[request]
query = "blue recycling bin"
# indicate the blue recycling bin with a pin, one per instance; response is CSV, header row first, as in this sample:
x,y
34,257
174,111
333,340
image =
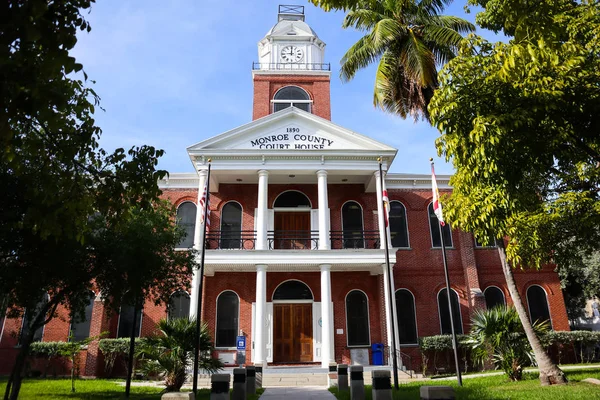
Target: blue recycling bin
x,y
377,351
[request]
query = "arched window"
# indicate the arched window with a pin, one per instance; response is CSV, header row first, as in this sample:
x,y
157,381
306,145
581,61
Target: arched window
x,y
31,314
357,318
407,317
228,310
538,304
435,230
445,313
231,226
292,290
490,241
186,217
398,225
290,199
179,305
352,226
80,328
493,297
127,319
291,96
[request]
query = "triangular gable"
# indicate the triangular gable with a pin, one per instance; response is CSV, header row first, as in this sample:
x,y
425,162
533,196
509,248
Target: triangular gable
x,y
289,130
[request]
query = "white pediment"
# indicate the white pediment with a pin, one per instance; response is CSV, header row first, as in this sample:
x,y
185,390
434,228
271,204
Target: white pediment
x,y
290,130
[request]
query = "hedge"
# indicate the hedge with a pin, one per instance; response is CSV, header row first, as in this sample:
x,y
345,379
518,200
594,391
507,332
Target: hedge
x,y
112,348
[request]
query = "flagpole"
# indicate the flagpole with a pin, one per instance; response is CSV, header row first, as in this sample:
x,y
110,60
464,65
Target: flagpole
x,y
389,282
200,281
447,276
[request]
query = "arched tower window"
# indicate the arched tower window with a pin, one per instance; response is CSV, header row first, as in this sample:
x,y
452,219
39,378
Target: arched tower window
x,y
357,318
80,328
538,304
179,305
352,225
231,226
291,96
445,313
407,317
435,230
186,217
228,310
398,225
493,297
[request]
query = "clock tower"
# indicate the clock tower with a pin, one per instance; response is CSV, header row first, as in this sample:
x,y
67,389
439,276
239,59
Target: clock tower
x,y
290,70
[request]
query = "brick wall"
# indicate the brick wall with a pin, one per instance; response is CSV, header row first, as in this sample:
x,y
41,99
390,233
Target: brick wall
x,y
265,87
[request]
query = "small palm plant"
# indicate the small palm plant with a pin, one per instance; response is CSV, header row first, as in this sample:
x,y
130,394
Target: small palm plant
x,y
171,352
497,335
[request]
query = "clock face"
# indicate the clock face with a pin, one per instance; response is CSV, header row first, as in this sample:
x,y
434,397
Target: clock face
x,y
291,54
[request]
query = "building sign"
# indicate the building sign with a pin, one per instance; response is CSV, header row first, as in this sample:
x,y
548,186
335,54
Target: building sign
x,y
241,342
292,139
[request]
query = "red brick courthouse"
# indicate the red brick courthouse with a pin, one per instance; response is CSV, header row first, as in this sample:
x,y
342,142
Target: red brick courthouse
x,y
294,256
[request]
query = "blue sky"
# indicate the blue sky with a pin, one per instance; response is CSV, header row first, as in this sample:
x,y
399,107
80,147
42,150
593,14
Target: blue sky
x,y
171,73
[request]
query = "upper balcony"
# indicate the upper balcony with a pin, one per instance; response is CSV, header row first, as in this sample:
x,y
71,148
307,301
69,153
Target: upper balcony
x,y
257,66
292,240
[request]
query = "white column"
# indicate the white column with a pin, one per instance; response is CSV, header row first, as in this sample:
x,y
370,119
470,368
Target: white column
x,y
260,342
261,214
380,212
326,322
323,207
390,310
197,245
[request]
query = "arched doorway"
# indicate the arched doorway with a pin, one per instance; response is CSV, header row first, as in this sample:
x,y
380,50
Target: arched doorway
x,y
292,221
292,323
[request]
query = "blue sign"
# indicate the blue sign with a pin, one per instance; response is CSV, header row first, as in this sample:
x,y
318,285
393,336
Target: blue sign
x,y
241,342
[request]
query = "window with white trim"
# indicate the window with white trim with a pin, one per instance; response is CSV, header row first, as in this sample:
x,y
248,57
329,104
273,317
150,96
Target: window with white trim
x,y
357,318
435,230
80,324
179,305
538,304
445,312
127,319
186,217
398,225
231,226
406,315
493,297
289,96
228,310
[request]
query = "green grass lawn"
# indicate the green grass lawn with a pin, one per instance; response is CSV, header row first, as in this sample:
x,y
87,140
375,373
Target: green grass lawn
x,y
498,387
93,389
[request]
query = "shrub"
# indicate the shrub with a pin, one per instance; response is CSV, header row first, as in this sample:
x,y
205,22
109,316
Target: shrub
x,y
498,334
113,348
47,350
434,346
584,345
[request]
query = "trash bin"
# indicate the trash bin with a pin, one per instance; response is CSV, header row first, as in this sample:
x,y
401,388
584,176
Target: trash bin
x,y
377,351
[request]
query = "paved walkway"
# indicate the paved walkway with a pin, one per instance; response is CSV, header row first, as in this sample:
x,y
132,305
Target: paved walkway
x,y
297,393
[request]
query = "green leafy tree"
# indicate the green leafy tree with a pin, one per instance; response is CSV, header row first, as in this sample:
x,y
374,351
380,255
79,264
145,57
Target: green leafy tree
x,y
497,334
55,177
519,122
70,350
409,40
580,281
171,352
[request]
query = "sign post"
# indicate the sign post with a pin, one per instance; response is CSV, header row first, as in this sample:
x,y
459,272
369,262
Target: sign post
x,y
241,350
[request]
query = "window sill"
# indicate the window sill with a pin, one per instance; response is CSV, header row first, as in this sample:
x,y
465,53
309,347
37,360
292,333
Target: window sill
x,y
486,247
226,348
359,346
409,344
447,248
402,248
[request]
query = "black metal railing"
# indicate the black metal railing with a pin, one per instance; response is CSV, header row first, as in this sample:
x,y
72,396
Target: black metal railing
x,y
354,239
243,240
292,66
403,359
293,240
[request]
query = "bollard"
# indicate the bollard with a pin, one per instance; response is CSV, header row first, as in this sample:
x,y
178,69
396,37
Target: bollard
x,y
382,385
219,386
259,375
250,380
437,393
357,383
239,384
332,378
343,377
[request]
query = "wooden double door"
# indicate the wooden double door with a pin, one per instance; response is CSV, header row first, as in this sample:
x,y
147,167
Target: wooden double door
x,y
292,333
292,230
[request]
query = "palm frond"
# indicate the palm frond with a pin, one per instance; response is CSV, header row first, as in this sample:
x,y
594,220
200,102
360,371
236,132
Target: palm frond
x,y
359,56
362,19
455,23
418,61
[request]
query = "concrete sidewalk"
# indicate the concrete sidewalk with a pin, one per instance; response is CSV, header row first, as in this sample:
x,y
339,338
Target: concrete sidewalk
x,y
297,393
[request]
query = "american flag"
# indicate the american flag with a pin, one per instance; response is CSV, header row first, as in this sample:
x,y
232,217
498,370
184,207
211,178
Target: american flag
x,y
203,202
437,206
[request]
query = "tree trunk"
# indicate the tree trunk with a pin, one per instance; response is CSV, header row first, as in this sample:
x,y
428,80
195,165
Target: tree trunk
x,y
16,377
550,374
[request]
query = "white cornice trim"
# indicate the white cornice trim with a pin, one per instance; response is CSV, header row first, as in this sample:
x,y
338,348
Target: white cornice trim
x,y
290,72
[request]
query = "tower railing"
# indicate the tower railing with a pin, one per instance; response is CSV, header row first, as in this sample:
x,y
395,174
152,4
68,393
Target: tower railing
x,y
292,66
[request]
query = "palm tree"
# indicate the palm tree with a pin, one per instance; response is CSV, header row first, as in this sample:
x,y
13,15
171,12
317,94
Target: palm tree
x,y
411,40
498,334
171,352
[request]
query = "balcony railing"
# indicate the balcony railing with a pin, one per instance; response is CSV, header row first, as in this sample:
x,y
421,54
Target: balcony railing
x,y
292,66
355,239
292,240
